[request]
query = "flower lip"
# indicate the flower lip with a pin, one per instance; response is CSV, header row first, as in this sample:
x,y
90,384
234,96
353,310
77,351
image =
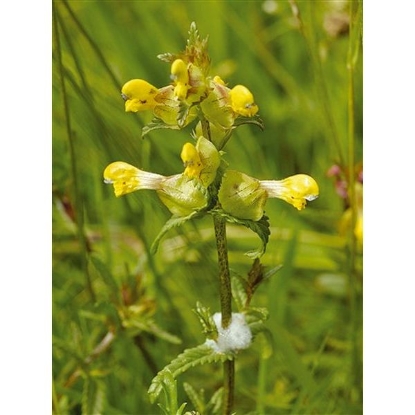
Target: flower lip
x,y
296,190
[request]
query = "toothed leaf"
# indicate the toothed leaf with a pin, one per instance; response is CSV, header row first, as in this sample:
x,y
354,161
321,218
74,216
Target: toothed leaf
x,y
199,355
174,221
260,227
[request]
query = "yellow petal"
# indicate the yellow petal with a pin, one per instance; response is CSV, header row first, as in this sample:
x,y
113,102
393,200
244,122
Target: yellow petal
x,y
139,95
191,160
127,178
179,72
242,101
296,190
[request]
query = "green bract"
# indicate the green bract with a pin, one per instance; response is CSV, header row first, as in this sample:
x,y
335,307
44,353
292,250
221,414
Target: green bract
x,y
182,195
210,159
241,196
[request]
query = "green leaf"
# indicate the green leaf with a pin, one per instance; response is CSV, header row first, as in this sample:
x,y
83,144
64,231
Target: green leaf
x,y
195,356
92,396
260,227
157,124
183,114
197,398
169,386
137,325
256,120
206,320
215,402
239,288
104,272
174,221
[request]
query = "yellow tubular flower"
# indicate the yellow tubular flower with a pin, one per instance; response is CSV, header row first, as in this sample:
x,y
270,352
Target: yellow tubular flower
x,y
191,160
242,101
201,161
127,178
139,95
180,77
296,190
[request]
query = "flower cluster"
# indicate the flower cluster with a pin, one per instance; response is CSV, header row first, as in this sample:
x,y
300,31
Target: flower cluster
x,y
239,195
206,183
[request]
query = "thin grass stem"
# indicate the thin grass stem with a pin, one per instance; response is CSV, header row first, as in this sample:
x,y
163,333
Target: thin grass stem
x,y
262,378
309,35
354,44
78,202
94,46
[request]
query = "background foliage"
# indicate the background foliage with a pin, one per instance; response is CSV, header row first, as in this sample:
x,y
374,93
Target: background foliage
x,y
121,314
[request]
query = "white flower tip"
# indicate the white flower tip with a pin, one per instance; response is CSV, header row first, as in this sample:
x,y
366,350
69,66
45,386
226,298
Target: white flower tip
x,y
311,197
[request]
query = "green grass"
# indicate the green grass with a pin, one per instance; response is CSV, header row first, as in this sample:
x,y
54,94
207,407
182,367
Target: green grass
x,y
312,110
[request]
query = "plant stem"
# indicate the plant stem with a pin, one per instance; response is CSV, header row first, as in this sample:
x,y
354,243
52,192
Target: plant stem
x,y
226,308
224,276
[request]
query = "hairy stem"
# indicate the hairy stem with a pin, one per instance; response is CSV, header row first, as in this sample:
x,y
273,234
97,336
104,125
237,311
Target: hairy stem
x,y
226,308
224,276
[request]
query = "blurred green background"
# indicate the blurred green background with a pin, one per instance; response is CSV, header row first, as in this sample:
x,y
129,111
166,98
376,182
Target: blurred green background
x,y
121,314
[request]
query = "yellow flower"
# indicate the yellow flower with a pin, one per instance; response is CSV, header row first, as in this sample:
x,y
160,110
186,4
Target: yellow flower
x,y
242,101
127,178
180,77
296,190
189,81
244,197
179,193
139,95
201,161
191,161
